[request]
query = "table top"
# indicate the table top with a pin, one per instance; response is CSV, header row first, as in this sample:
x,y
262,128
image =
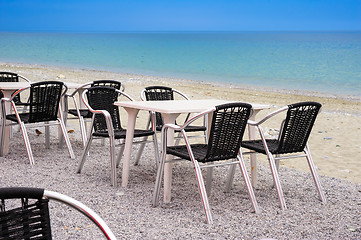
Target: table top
x,y
13,85
179,106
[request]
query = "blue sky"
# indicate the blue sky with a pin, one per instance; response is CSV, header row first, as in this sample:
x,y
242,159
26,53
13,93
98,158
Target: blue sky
x,y
179,15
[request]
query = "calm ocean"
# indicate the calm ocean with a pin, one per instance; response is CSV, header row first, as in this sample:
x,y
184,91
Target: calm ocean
x,y
328,62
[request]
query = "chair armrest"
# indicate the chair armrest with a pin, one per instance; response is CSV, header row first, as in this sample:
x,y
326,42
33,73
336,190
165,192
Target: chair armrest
x,y
194,118
172,126
5,99
125,95
181,94
254,123
24,78
94,217
18,91
78,88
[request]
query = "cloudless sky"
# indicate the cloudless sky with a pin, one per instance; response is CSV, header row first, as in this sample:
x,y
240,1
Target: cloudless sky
x,y
179,15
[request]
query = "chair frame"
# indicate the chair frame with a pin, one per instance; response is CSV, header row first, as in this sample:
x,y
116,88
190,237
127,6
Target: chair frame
x,y
274,160
209,165
114,162
42,196
82,121
58,121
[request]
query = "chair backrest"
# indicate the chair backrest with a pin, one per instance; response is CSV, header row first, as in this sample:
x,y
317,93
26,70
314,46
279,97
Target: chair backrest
x,y
297,126
30,221
228,125
44,101
107,83
9,77
103,98
158,93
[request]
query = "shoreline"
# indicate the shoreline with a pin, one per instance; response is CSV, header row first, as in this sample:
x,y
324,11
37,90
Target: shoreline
x,y
335,141
210,83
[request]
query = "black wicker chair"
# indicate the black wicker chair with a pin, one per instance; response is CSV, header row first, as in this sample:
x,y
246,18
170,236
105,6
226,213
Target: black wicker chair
x,y
226,132
43,111
85,114
13,77
293,138
106,124
29,218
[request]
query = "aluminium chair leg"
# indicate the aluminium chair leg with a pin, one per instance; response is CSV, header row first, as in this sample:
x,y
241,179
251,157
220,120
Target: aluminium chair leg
x,y
82,130
47,136
314,174
66,138
120,155
2,133
203,192
242,165
113,164
27,143
158,181
277,181
85,153
209,179
140,151
156,150
230,177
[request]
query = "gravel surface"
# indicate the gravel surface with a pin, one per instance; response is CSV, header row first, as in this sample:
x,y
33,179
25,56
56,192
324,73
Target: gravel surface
x,y
129,213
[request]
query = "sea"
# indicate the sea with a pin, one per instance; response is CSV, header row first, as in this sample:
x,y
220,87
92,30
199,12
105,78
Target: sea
x,y
324,62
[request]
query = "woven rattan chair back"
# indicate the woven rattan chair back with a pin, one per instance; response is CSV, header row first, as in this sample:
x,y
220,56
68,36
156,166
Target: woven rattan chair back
x,y
30,221
297,127
159,93
228,125
107,83
44,101
10,77
103,98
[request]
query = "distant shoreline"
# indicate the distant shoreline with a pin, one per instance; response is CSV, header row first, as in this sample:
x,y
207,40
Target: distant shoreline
x,y
210,83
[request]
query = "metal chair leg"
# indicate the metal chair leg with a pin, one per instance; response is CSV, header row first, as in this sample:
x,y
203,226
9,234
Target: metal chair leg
x,y
203,192
156,149
314,174
140,151
27,143
85,153
209,179
82,130
248,183
277,181
66,138
120,155
230,177
158,181
113,161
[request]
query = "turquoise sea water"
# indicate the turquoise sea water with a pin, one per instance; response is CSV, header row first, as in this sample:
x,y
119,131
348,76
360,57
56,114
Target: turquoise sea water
x,y
328,62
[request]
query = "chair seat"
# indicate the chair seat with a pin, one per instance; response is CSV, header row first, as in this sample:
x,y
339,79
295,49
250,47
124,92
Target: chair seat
x,y
199,151
188,129
22,103
85,113
25,117
257,145
121,134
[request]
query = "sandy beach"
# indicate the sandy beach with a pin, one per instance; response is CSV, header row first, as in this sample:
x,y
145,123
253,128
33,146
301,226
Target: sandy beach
x,y
335,145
